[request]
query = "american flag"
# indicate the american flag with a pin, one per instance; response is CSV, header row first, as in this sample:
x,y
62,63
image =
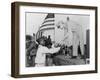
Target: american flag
x,y
47,24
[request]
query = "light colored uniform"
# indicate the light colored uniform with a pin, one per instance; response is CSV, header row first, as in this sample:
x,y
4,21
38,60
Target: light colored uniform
x,y
68,35
77,39
41,55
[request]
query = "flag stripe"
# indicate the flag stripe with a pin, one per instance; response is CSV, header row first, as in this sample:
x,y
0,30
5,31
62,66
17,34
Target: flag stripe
x,y
47,28
48,21
47,24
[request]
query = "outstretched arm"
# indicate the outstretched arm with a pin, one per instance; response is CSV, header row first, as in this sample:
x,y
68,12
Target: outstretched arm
x,y
52,50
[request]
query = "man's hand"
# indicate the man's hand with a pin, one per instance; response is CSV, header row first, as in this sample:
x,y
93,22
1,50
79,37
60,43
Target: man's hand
x,y
55,45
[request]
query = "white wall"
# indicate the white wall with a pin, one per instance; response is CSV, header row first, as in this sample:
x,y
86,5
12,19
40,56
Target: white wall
x,y
5,41
33,22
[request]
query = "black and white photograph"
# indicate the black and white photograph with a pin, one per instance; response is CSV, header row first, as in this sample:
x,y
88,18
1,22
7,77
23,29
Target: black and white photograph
x,y
54,39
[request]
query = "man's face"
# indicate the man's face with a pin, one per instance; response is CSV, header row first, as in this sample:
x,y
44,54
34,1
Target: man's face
x,y
60,24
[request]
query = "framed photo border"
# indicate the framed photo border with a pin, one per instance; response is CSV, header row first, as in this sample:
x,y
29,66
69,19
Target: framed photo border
x,y
15,69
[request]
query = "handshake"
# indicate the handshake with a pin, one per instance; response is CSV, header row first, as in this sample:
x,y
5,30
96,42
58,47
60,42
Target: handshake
x,y
55,45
